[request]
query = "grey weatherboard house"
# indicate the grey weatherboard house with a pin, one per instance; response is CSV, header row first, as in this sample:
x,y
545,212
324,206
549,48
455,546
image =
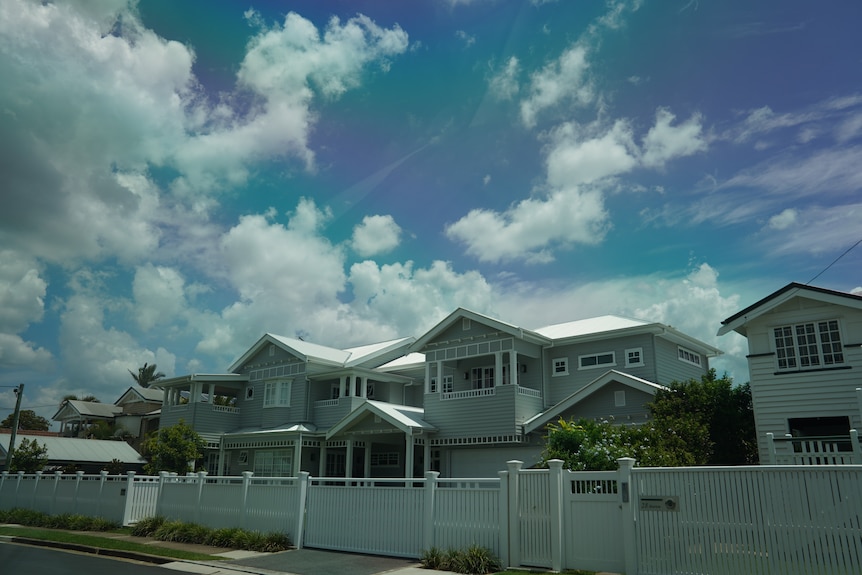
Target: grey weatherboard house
x,y
447,401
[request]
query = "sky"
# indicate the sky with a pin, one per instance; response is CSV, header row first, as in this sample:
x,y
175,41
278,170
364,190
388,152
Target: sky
x,y
179,178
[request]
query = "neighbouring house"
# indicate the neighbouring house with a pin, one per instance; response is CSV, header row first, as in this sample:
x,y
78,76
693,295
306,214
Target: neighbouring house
x,y
470,394
87,455
804,361
132,416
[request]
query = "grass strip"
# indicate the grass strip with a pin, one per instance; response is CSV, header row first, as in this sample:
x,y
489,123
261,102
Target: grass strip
x,y
73,539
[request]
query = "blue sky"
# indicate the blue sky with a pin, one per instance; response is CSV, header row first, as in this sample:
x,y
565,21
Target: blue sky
x,y
180,178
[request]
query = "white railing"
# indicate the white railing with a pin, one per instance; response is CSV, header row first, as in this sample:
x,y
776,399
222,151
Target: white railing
x,y
326,403
468,393
225,408
530,392
832,450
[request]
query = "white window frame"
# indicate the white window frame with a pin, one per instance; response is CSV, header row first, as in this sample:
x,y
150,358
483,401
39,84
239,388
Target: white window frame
x,y
273,463
448,384
243,457
335,391
466,324
686,355
386,459
620,398
812,353
276,393
482,377
559,366
597,365
640,353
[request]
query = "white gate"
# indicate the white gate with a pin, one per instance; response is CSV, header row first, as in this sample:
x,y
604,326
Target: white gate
x,y
592,521
534,516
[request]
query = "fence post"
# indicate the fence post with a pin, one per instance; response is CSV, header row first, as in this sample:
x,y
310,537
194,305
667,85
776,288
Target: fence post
x,y
430,494
18,487
163,477
246,480
202,478
79,476
3,477
130,496
53,508
770,442
504,518
514,513
627,504
857,449
555,477
304,478
35,488
103,478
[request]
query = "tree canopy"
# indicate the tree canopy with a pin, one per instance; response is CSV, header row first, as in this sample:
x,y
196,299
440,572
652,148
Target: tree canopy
x,y
705,422
29,457
146,375
172,448
27,420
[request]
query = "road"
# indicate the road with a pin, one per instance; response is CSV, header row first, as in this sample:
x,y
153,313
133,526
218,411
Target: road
x,y
24,559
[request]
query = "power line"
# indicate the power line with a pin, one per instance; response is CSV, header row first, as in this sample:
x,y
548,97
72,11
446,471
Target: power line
x,y
847,251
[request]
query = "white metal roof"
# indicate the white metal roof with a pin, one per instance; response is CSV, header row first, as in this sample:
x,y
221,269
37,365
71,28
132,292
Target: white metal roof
x,y
87,408
83,450
589,326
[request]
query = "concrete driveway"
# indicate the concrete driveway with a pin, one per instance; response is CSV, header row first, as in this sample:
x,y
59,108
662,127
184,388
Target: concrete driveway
x,y
320,562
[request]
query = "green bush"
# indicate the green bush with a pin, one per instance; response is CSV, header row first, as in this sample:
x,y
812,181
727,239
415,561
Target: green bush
x,y
474,560
32,518
178,531
147,526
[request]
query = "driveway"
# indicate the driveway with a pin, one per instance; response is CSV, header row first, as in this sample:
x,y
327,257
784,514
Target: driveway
x,y
319,562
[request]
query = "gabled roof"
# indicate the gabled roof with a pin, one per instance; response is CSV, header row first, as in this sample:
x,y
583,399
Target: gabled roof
x,y
403,417
141,394
322,354
611,376
82,450
495,324
737,322
75,408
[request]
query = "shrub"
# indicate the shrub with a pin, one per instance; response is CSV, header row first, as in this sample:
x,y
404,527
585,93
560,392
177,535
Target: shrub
x,y
147,526
32,518
474,560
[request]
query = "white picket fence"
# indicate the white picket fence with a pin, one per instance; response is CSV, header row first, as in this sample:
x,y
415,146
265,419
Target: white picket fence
x,y
648,521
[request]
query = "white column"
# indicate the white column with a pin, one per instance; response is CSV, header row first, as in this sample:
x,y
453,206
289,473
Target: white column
x,y
408,455
513,367
297,456
439,376
341,386
428,377
363,386
321,468
426,456
348,463
498,368
367,466
211,392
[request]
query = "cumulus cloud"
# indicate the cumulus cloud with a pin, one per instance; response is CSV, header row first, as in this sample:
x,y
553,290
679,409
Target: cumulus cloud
x,y
783,220
563,80
504,84
159,295
22,295
581,162
376,235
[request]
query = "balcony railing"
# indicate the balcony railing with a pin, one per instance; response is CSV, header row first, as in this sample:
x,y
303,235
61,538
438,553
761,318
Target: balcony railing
x,y
831,450
525,391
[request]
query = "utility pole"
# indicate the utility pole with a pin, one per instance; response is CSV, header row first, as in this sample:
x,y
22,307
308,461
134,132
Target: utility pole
x,y
19,392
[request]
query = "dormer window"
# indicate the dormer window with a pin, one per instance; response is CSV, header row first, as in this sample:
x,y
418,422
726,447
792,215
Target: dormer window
x,y
808,345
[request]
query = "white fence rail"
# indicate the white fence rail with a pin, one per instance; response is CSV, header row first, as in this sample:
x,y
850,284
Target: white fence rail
x,y
833,450
648,521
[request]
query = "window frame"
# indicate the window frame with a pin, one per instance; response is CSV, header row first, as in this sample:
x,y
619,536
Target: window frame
x,y
277,465
799,361
640,353
485,379
563,362
276,393
683,353
597,365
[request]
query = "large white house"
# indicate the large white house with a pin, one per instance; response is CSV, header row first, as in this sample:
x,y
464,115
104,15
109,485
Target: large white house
x,y
805,363
470,394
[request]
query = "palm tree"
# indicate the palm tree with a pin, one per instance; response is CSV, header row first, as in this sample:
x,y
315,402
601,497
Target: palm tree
x,y
146,375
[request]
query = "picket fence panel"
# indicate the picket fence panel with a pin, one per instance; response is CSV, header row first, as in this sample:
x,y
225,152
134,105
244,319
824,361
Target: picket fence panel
x,y
593,521
467,512
534,513
380,517
757,520
273,505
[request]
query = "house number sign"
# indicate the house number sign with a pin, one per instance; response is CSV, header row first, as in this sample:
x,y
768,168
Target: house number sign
x,y
660,503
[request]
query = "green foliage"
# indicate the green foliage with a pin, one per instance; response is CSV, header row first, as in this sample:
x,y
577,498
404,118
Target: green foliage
x,y
67,521
27,420
706,422
171,449
115,467
146,375
227,537
474,560
29,457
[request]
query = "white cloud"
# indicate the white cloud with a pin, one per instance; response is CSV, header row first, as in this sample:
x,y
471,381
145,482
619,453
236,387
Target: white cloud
x,y
815,230
783,220
466,38
376,235
665,142
504,84
574,161
159,296
22,295
563,80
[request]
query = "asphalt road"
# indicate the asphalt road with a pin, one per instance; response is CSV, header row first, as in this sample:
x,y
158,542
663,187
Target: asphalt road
x,y
316,562
24,560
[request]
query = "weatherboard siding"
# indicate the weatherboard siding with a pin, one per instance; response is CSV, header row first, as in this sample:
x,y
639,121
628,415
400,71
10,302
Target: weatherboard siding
x,y
779,396
472,416
670,368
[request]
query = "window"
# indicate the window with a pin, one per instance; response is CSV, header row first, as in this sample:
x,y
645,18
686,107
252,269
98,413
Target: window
x,y
819,426
448,384
273,463
466,324
335,391
634,357
243,457
386,459
688,356
482,377
277,393
620,398
596,360
561,366
336,464
808,345
271,350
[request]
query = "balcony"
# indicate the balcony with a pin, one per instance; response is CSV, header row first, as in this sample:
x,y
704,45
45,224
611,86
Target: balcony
x,y
831,450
